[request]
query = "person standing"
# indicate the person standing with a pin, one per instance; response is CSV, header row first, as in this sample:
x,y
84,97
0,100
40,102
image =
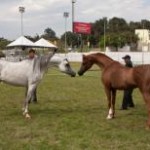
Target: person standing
x,y
31,54
127,96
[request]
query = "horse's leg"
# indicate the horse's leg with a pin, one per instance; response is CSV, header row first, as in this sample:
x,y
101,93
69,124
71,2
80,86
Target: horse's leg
x,y
113,102
30,91
34,98
147,101
108,94
26,91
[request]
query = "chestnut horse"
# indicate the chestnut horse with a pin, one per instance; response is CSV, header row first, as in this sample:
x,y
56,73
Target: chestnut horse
x,y
115,77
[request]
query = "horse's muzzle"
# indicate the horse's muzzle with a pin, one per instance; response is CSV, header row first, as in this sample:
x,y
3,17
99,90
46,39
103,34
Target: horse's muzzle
x,y
80,73
73,74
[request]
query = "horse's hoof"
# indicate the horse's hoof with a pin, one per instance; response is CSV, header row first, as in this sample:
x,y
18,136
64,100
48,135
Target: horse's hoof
x,y
27,116
147,128
109,117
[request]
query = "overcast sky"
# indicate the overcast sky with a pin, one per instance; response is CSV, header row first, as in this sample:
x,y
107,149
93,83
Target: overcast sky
x,y
41,14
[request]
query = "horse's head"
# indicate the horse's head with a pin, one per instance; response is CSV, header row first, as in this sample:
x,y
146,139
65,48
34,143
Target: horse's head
x,y
86,64
65,67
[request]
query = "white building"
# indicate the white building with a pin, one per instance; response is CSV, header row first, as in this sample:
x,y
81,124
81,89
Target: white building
x,y
144,39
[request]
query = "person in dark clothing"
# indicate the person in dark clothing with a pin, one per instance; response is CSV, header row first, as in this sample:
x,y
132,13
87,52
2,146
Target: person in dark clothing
x,y
127,97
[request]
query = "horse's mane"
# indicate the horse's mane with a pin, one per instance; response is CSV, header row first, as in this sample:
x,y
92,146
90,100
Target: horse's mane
x,y
101,59
40,64
103,55
100,55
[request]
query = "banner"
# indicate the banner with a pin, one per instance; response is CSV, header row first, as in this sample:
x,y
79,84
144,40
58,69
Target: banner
x,y
81,27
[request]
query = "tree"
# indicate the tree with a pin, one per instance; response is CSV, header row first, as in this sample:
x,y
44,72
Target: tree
x,y
98,29
134,25
34,38
145,24
3,43
77,40
49,34
119,40
117,25
71,38
92,40
116,41
117,32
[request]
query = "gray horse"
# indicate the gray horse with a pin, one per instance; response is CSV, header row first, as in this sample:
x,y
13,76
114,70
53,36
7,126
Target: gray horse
x,y
26,73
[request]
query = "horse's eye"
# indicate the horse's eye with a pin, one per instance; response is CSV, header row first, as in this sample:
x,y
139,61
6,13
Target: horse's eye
x,y
67,65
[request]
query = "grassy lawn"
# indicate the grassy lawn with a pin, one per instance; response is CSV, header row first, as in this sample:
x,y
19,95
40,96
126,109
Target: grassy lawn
x,y
71,115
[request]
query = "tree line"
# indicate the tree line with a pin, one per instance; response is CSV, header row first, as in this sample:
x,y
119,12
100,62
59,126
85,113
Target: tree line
x,y
114,32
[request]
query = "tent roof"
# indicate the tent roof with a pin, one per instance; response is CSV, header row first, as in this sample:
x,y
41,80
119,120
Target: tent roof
x,y
44,43
21,41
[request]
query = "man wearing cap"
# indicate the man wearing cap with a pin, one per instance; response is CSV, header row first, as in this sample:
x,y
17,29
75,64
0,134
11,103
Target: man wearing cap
x,y
127,97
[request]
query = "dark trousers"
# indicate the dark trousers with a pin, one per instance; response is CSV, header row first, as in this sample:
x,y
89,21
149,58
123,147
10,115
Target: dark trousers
x,y
127,99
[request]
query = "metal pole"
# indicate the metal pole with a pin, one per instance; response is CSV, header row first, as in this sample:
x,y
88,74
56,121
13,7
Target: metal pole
x,y
66,15
143,45
22,24
104,36
73,2
65,33
21,10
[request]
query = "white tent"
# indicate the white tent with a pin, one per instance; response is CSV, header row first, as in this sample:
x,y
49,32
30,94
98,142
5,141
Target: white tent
x,y
21,41
44,43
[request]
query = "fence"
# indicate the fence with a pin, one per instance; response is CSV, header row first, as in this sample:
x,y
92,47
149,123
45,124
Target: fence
x,y
137,57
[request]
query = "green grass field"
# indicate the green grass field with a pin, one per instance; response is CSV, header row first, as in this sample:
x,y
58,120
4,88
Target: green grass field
x,y
70,115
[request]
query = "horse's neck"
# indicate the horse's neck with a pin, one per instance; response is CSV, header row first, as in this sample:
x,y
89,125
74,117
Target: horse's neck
x,y
102,60
47,58
55,61
41,62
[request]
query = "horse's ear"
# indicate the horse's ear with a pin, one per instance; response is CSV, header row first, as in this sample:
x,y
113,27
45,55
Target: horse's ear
x,y
83,56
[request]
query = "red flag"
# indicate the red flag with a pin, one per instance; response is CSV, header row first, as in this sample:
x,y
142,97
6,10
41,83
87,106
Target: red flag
x,y
81,27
